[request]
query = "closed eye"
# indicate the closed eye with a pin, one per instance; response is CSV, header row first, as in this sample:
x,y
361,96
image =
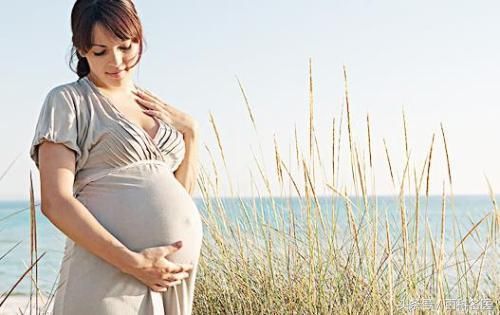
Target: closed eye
x,y
104,51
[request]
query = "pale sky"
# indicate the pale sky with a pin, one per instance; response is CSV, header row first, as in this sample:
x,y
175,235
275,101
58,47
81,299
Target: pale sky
x,y
439,60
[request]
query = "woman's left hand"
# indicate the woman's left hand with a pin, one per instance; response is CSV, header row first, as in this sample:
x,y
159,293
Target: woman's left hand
x,y
172,116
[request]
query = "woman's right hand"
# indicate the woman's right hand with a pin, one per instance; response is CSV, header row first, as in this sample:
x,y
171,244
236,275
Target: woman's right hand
x,y
155,271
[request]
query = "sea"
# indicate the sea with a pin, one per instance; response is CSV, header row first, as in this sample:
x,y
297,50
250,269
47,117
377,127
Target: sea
x,y
462,213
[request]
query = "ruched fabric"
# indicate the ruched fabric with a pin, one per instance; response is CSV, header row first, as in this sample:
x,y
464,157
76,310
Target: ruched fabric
x,y
125,178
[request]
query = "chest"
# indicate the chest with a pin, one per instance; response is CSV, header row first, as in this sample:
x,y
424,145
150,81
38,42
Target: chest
x,y
132,111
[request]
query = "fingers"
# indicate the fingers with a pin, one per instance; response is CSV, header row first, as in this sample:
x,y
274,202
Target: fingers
x,y
178,268
143,94
160,115
173,268
158,288
175,276
163,287
173,279
148,104
148,96
169,280
159,273
186,267
152,112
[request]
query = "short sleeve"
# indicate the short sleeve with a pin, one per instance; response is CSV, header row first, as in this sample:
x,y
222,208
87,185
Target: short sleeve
x,y
57,123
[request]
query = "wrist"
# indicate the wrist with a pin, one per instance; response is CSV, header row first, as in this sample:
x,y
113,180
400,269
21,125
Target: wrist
x,y
130,261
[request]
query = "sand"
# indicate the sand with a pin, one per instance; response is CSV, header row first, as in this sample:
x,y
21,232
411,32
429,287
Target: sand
x,y
19,304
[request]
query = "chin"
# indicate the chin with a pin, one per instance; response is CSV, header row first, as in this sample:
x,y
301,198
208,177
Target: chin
x,y
118,79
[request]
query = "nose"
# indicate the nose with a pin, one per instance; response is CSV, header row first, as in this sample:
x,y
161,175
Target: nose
x,y
116,58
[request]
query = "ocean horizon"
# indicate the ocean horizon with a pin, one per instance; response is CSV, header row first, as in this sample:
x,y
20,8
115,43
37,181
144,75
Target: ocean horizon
x,y
462,212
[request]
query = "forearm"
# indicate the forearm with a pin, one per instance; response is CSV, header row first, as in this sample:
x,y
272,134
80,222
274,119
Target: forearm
x,y
71,217
187,172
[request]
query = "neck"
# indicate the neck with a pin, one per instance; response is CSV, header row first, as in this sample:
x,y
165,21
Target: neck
x,y
125,86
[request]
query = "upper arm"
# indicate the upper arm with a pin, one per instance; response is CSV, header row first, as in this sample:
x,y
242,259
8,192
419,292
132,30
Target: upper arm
x,y
57,173
56,148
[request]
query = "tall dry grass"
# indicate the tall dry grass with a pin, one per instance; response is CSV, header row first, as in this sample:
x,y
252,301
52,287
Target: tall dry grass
x,y
260,264
272,260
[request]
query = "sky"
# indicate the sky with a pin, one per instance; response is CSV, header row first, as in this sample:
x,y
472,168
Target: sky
x,y
438,61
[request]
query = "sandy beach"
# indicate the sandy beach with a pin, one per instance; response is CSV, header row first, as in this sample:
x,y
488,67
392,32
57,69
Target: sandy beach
x,y
19,304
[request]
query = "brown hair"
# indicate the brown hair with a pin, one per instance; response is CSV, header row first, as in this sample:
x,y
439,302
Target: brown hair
x,y
118,16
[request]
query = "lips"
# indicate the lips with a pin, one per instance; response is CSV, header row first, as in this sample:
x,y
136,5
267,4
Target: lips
x,y
116,72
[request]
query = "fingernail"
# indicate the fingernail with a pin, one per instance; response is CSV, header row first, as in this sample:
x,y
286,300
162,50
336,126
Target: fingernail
x,y
178,244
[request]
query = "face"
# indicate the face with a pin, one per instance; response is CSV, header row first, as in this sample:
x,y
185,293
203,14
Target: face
x,y
110,57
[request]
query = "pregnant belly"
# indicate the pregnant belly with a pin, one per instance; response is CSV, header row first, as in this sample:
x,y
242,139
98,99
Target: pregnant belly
x,y
145,206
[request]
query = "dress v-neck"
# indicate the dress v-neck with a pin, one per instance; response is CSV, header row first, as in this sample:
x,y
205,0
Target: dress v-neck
x,y
121,115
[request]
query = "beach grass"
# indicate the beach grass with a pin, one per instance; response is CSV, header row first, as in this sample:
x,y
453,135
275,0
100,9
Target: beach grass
x,y
270,260
260,265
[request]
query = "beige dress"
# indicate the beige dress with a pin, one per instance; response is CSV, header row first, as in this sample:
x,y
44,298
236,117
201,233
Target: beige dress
x,y
125,179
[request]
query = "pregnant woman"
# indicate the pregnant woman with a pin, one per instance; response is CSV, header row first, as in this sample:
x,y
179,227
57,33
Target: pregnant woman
x,y
117,169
